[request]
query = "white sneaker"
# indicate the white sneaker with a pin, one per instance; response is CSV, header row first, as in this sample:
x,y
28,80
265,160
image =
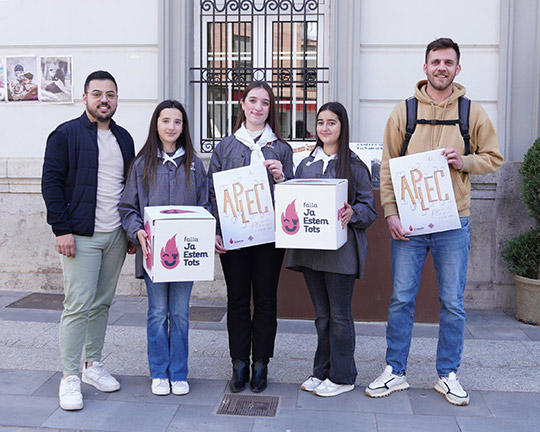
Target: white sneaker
x,y
311,384
97,376
387,383
70,393
327,388
161,386
452,390
180,387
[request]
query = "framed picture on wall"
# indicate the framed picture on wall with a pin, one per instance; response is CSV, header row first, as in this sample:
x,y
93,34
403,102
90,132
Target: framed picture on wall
x,y
2,79
56,79
21,78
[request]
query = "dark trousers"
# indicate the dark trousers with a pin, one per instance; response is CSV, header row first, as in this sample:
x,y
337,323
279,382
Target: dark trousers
x,y
331,294
254,269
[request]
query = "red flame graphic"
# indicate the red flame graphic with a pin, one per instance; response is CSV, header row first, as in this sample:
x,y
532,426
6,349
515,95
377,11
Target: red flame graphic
x,y
148,246
289,220
340,213
169,254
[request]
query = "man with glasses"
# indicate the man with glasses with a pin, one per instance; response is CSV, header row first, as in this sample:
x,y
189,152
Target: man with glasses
x,y
86,160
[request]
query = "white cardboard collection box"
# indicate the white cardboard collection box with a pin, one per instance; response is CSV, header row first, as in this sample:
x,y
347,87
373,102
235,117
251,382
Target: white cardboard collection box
x,y
181,242
308,213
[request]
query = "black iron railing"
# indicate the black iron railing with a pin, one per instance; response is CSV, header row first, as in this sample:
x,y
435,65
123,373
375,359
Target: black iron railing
x,y
277,41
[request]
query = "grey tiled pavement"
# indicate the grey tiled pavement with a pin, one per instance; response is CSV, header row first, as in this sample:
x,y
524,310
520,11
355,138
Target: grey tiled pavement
x,y
500,368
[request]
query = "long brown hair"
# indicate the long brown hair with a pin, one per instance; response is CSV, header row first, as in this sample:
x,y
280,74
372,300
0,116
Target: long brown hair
x,y
272,113
343,163
149,152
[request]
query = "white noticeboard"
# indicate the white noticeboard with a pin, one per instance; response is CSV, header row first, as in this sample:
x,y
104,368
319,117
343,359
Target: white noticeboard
x,y
245,208
424,193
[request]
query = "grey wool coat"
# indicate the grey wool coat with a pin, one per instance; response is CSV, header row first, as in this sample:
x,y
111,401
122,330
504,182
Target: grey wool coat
x,y
168,188
349,258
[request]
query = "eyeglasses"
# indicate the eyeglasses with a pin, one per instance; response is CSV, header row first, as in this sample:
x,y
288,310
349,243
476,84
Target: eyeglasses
x,y
96,94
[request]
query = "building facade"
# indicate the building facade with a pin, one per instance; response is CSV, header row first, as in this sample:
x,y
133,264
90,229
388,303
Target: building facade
x,y
367,54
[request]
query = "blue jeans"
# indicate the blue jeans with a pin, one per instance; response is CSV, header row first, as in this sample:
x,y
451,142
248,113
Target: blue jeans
x,y
167,328
331,294
450,250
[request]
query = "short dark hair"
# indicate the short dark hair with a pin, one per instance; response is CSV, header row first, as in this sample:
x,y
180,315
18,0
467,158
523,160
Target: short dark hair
x,y
442,43
99,75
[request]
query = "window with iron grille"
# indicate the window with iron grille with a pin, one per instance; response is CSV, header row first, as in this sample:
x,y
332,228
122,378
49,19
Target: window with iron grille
x,y
278,41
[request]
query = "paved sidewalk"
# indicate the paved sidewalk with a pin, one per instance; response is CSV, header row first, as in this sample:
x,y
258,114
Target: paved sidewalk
x,y
501,370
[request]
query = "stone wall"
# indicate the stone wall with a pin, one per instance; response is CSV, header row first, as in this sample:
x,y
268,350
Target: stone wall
x,y
497,214
30,262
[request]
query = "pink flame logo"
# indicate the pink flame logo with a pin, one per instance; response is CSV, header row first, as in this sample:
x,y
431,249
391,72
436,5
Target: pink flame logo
x,y
340,213
289,220
148,245
169,254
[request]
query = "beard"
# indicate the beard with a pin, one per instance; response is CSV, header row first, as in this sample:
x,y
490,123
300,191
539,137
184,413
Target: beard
x,y
98,115
441,86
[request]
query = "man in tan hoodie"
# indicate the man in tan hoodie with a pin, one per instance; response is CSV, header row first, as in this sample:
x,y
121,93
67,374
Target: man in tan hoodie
x,y
437,100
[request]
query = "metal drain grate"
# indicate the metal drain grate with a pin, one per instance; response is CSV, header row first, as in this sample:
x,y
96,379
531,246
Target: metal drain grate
x,y
40,301
256,406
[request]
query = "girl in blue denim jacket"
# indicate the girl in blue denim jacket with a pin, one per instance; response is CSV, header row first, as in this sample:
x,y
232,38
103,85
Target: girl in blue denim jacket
x,y
330,274
165,172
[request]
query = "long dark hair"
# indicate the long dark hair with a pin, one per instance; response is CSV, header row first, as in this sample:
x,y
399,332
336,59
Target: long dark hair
x,y
272,113
343,163
149,152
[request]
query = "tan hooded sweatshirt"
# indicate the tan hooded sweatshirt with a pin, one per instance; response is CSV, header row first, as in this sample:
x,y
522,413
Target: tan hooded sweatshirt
x,y
484,155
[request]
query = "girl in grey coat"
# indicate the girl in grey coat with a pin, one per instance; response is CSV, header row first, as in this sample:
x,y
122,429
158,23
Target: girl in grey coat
x,y
165,172
254,269
330,274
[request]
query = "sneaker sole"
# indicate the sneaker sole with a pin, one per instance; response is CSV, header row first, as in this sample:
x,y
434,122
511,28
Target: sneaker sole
x,y
100,387
307,389
388,392
463,402
181,393
334,393
157,393
71,407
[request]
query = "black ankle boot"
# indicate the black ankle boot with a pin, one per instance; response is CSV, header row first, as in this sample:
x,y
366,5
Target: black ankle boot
x,y
259,372
240,376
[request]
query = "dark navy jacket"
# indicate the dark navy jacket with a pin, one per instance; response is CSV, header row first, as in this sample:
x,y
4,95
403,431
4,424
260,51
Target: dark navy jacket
x,y
70,169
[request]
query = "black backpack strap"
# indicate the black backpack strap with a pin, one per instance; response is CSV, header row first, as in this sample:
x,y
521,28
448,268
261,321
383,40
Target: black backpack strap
x,y
464,108
464,111
436,122
412,109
